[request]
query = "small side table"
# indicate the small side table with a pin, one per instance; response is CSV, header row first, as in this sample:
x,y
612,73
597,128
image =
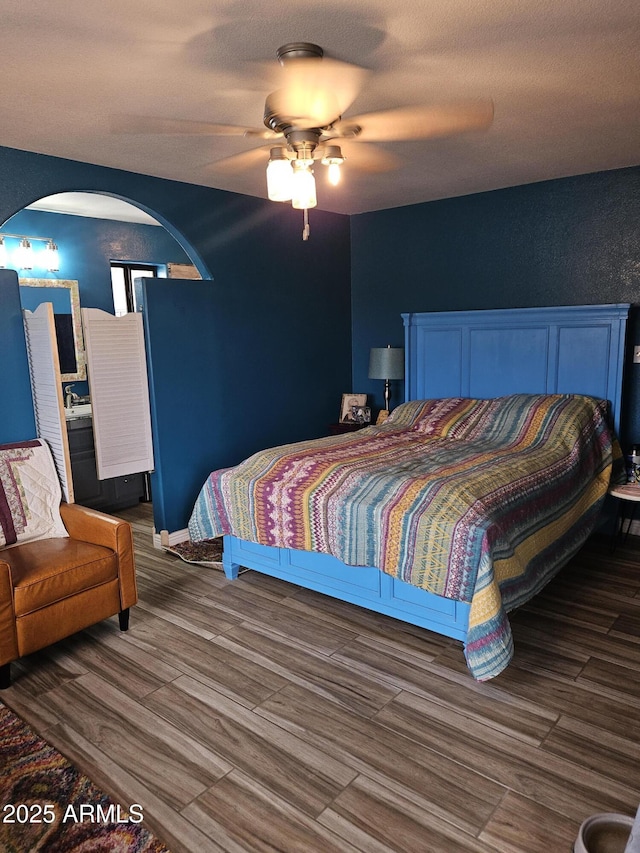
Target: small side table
x,y
627,492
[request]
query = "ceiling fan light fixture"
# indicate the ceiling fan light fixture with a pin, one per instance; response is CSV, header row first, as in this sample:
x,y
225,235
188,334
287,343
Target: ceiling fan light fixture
x,y
304,186
279,176
333,159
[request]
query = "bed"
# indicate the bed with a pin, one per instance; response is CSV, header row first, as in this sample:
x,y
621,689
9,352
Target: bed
x,y
468,500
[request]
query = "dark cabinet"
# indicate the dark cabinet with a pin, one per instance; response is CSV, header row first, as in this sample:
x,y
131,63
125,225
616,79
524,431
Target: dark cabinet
x,y
107,495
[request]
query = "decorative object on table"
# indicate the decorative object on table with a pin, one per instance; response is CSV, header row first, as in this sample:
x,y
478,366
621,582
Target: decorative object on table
x,y
361,414
48,793
386,363
208,552
633,465
349,401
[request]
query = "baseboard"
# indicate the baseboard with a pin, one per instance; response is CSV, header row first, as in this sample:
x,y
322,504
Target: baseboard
x,y
164,539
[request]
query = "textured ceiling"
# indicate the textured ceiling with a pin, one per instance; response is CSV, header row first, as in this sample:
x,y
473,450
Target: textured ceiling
x,y
564,78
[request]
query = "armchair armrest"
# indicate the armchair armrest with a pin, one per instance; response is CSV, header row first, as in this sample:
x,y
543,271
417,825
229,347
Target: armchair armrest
x,y
99,528
8,639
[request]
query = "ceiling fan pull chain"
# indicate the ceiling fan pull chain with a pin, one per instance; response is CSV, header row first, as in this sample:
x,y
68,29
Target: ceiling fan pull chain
x,y
306,230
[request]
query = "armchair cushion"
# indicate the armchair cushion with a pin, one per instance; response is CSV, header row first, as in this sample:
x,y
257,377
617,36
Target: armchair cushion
x,y
30,494
51,570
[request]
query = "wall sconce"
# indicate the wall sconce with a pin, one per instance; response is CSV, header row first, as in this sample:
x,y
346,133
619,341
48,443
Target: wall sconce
x,y
24,256
386,363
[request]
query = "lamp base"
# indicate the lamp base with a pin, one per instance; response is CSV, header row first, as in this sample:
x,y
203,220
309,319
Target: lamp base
x,y
387,395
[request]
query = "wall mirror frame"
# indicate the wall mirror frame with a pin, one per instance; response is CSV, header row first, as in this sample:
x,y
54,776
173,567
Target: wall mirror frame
x,y
76,319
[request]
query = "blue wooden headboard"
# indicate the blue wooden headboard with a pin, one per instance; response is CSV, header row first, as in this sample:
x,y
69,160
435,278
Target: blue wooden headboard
x,y
577,349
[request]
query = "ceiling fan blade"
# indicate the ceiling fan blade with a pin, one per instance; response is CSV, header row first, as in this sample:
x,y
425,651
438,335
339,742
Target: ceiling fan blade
x,y
316,92
364,157
241,162
418,122
150,124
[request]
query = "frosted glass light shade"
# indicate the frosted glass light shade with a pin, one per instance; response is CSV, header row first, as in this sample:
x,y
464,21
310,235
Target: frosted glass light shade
x,y
279,179
304,189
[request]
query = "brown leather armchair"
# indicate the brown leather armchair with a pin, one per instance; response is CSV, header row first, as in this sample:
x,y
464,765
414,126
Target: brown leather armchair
x,y
51,588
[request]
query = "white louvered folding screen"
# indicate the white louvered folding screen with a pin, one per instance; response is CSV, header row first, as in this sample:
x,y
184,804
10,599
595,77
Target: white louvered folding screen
x,y
117,372
46,386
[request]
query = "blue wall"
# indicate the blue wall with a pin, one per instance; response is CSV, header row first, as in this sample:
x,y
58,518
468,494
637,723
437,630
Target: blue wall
x,y
17,421
565,242
287,348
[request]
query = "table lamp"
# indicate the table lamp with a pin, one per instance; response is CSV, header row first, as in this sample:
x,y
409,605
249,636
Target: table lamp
x,y
386,363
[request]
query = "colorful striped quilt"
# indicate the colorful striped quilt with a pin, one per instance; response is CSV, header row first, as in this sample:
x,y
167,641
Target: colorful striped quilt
x,y
481,501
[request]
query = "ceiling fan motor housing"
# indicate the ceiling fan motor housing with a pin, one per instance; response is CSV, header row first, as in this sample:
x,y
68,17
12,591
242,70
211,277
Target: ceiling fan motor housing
x,y
299,50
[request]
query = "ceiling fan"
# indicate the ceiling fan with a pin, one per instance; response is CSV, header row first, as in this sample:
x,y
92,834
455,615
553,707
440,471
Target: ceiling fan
x,y
304,123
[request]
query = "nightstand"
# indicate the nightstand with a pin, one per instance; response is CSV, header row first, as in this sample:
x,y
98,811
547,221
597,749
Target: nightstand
x,y
345,426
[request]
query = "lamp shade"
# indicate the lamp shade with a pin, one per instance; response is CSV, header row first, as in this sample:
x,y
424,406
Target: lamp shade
x,y
386,363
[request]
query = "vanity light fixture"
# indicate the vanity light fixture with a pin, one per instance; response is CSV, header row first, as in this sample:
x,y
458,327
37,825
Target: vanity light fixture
x,y
24,256
52,261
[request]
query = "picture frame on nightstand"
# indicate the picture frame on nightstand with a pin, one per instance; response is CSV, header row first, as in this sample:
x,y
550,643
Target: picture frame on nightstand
x,y
361,414
348,402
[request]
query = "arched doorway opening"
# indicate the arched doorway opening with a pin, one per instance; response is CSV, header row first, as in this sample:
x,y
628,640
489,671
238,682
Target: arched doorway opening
x,y
92,232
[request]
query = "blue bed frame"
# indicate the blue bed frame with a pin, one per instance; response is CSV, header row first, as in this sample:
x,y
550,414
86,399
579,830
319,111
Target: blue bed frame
x,y
479,354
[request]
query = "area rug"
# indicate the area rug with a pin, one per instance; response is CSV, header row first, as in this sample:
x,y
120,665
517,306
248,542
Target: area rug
x,y
48,806
208,552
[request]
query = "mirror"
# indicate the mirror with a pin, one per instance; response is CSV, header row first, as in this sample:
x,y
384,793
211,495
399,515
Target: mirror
x,y
65,296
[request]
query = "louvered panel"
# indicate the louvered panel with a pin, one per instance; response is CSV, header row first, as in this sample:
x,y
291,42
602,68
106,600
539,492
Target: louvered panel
x,y
46,386
117,368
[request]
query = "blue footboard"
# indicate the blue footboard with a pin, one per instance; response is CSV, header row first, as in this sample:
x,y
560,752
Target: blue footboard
x,y
367,587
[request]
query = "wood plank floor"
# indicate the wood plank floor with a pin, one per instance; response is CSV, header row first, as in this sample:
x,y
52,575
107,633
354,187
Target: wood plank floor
x,y
256,716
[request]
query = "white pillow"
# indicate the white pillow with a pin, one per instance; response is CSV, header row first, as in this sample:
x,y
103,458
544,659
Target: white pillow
x,y
30,494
